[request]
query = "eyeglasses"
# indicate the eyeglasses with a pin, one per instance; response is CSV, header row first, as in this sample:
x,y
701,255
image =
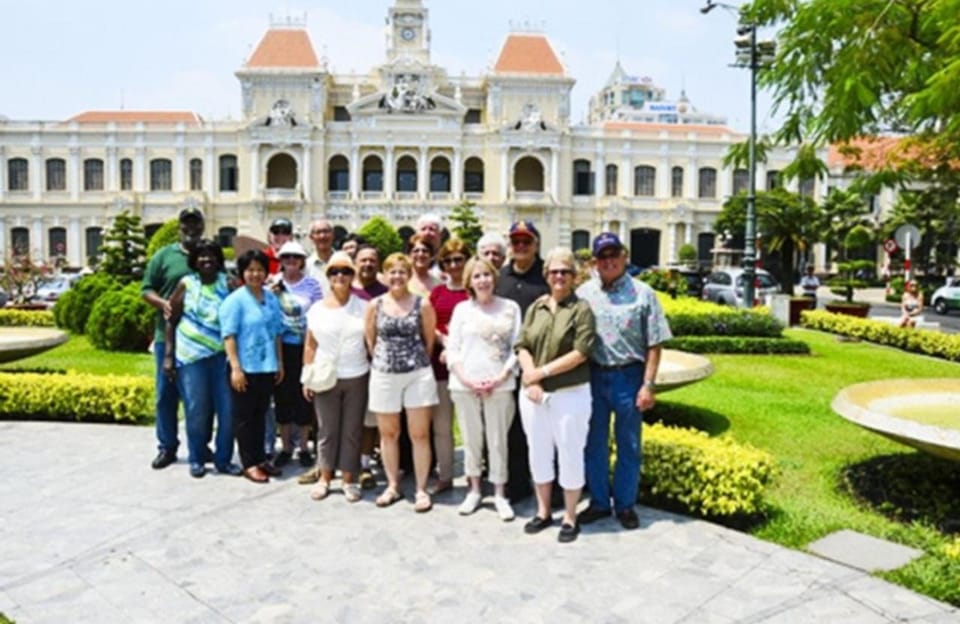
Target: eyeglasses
x,y
322,231
521,242
454,260
491,252
560,272
609,256
339,271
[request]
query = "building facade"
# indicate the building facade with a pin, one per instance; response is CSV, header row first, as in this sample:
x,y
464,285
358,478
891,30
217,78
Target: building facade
x,y
404,139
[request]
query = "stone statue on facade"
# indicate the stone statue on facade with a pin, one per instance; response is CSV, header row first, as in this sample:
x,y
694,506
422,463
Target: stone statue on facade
x,y
407,96
281,115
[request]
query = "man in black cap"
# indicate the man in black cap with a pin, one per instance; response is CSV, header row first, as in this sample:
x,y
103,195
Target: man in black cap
x,y
280,232
521,280
163,273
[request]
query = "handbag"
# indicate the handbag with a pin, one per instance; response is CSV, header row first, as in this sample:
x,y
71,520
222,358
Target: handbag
x,y
320,375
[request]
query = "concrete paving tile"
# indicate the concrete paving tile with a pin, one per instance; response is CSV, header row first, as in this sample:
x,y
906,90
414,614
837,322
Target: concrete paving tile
x,y
826,607
883,597
863,552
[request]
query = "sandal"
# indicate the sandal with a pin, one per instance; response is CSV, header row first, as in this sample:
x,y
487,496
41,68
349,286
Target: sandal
x,y
320,490
310,477
388,497
422,503
351,491
440,486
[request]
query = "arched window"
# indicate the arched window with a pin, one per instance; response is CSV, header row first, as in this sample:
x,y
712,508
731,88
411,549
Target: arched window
x,y
611,180
126,174
20,241
644,181
229,173
18,174
93,174
406,175
707,188
56,174
582,177
57,240
440,175
160,174
676,182
773,179
94,236
338,174
281,172
580,239
473,175
528,175
196,174
741,181
372,173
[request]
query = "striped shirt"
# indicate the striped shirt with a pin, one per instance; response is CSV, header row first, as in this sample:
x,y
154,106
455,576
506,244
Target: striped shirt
x,y
198,332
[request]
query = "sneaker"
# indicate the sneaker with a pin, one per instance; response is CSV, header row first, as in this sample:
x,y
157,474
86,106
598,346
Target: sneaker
x,y
309,477
470,503
568,533
591,514
197,470
163,459
504,510
367,481
282,459
628,519
230,469
537,524
306,458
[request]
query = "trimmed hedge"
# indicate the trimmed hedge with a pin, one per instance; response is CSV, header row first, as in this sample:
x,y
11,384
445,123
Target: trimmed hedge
x,y
936,344
76,397
26,318
738,344
121,320
711,477
692,317
73,308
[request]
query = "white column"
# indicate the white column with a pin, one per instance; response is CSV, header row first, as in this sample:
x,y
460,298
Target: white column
x,y
73,174
555,175
140,183
355,173
600,176
3,183
423,174
625,178
389,174
73,243
456,175
209,166
178,170
37,238
724,183
623,231
111,184
688,233
671,241
505,185
254,171
691,180
664,178
306,175
35,176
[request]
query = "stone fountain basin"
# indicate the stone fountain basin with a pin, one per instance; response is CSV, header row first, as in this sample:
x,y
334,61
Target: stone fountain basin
x,y
883,407
21,342
678,369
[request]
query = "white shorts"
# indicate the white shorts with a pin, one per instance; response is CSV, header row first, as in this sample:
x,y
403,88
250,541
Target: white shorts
x,y
390,392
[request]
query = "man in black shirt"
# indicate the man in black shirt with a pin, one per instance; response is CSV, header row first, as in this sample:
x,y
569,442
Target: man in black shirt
x,y
521,280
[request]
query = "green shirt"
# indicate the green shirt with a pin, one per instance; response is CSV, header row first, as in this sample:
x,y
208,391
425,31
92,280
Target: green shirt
x,y
548,335
164,271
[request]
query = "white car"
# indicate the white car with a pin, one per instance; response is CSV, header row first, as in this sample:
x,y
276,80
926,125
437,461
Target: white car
x,y
725,286
947,297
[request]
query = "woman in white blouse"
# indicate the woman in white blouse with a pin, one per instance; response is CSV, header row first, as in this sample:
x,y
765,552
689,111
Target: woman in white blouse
x,y
336,323
481,358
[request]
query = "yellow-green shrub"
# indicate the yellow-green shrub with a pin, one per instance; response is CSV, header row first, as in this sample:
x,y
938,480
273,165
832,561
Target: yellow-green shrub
x,y
26,318
76,397
713,477
936,344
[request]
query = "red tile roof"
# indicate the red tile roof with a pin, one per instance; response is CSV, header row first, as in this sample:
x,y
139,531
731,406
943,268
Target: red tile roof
x,y
528,54
284,47
132,117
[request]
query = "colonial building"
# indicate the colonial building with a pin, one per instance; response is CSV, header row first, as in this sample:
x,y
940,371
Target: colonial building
x,y
404,139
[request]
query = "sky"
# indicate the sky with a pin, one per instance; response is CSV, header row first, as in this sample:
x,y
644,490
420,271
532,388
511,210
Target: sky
x,y
62,58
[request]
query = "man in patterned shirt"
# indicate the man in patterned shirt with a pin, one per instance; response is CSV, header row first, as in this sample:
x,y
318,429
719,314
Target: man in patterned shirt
x,y
630,327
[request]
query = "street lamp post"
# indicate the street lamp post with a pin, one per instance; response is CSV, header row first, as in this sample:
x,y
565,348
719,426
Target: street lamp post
x,y
752,55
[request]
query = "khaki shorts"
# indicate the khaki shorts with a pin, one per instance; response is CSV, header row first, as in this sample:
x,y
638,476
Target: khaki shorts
x,y
391,392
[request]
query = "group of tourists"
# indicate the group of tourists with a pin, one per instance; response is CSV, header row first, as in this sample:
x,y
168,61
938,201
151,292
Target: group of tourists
x,y
369,356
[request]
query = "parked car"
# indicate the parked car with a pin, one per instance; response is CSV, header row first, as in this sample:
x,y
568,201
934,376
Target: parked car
x,y
52,287
694,281
725,286
947,297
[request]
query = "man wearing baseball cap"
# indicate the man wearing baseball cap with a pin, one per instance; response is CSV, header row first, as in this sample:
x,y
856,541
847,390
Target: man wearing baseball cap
x,y
630,328
280,232
164,271
521,280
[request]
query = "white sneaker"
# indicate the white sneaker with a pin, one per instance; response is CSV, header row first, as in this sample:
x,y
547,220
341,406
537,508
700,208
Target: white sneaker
x,y
503,508
470,503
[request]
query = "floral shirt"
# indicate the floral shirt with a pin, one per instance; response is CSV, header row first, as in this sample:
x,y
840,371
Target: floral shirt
x,y
629,320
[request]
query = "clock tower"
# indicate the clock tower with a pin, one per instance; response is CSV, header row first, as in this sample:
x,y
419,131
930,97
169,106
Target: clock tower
x,y
408,35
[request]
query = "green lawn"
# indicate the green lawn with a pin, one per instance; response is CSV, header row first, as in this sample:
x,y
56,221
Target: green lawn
x,y
77,354
782,404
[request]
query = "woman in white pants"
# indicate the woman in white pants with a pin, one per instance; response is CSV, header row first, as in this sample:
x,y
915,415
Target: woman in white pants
x,y
480,354
557,335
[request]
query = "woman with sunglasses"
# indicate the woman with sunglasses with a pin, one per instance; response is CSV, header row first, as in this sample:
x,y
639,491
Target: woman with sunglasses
x,y
297,292
444,298
399,328
555,342
420,250
337,324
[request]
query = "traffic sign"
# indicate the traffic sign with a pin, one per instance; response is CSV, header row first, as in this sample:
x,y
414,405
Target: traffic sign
x,y
906,233
890,246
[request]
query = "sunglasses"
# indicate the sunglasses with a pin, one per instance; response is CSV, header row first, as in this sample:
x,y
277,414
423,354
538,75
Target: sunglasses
x,y
609,256
521,242
339,271
454,260
281,230
562,272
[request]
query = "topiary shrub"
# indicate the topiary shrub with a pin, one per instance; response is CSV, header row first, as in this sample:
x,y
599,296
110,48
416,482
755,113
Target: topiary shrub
x,y
379,233
121,321
73,307
166,234
76,397
26,318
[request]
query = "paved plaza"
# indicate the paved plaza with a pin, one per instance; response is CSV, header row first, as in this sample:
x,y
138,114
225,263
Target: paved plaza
x,y
90,533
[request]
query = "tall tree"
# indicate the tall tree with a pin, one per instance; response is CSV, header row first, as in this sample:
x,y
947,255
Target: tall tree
x,y
467,225
124,248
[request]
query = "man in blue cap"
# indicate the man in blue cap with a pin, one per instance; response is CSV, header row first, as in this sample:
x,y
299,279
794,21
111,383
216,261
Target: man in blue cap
x,y
630,328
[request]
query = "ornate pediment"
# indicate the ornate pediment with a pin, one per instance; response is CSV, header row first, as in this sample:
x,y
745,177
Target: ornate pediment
x,y
407,94
530,121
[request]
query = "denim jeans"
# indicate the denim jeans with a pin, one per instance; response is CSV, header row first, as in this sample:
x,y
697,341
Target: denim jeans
x,y
614,390
205,389
168,401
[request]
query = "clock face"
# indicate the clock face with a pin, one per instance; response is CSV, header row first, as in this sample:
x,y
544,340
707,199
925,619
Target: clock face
x,y
408,34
